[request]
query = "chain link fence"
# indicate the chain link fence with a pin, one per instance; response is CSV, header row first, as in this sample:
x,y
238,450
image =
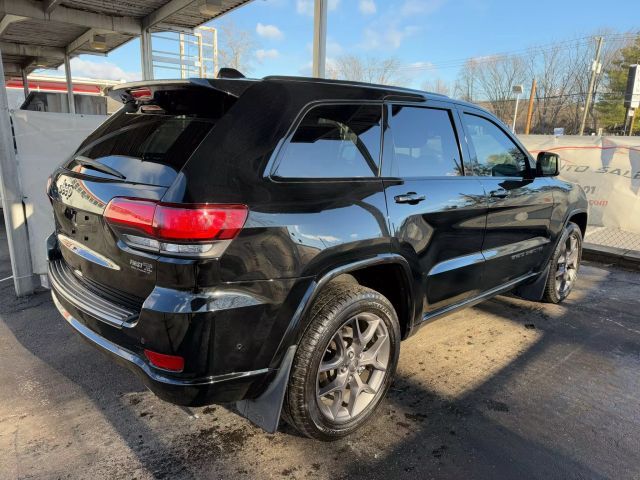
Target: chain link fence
x,y
613,237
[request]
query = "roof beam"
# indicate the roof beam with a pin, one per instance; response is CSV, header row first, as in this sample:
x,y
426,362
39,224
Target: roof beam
x,y
165,27
164,12
20,49
71,16
84,38
80,41
50,5
8,20
12,69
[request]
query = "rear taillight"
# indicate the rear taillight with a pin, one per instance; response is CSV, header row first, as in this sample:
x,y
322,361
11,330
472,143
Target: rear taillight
x,y
197,223
186,229
142,94
131,213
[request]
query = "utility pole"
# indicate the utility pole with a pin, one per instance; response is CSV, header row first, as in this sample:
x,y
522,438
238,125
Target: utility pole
x,y
530,109
319,37
595,70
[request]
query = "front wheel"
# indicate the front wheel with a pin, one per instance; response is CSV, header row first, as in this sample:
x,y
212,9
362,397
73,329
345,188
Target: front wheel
x,y
565,264
344,363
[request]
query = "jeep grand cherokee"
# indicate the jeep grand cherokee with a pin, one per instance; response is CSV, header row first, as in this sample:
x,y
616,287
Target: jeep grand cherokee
x,y
270,242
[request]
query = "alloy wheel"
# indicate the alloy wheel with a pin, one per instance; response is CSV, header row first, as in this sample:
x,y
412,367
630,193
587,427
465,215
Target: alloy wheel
x,y
353,367
567,265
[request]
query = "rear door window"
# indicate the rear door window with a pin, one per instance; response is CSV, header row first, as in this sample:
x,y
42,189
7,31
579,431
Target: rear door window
x,y
334,141
421,142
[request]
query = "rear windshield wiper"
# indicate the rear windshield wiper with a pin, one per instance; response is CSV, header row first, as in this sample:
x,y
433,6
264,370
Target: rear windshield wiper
x,y
91,163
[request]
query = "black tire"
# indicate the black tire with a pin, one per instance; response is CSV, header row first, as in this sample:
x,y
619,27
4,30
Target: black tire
x,y
553,292
332,309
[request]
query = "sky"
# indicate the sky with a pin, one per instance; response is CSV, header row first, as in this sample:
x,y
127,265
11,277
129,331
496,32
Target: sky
x,y
430,38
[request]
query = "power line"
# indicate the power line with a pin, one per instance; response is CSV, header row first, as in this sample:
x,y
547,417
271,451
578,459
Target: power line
x,y
539,49
578,42
613,95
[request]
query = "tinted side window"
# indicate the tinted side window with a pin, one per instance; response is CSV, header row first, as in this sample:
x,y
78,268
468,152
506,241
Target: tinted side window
x,y
496,154
334,141
422,143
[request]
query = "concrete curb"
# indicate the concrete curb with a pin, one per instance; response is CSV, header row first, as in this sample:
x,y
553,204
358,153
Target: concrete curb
x,y
618,256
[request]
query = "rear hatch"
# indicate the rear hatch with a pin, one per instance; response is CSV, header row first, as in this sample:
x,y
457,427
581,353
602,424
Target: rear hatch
x,y
137,153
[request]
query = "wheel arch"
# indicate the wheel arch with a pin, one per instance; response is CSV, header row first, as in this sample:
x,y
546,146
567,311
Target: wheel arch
x,y
367,272
579,217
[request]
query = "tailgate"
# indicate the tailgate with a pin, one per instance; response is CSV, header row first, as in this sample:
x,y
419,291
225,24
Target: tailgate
x,y
88,245
137,153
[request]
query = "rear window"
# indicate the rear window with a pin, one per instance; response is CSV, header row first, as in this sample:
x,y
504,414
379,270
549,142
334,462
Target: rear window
x,y
334,141
152,144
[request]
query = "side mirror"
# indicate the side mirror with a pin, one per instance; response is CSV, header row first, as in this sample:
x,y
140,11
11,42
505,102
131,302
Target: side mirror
x,y
548,164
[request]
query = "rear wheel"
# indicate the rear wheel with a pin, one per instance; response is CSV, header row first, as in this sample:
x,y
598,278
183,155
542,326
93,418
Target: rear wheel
x,y
565,264
344,363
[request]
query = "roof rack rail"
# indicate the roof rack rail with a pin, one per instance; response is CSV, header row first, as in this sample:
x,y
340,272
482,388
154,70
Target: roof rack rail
x,y
404,90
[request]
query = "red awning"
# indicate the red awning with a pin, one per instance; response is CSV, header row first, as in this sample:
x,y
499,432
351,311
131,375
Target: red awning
x,y
54,86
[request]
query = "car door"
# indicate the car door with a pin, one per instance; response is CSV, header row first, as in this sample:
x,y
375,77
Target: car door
x,y
436,214
518,234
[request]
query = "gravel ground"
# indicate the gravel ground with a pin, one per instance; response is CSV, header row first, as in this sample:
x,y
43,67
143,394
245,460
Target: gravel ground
x,y
508,389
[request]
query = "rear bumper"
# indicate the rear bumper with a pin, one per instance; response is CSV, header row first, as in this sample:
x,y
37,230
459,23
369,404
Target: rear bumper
x,y
190,392
227,335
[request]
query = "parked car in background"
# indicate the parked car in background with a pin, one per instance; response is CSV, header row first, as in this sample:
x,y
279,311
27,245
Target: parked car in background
x,y
271,242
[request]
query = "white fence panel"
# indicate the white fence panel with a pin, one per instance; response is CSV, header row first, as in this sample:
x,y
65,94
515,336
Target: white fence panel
x,y
44,140
608,168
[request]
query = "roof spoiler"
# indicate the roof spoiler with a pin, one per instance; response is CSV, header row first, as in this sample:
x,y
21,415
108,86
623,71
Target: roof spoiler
x,y
143,91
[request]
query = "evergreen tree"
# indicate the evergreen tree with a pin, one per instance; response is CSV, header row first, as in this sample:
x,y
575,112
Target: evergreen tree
x,y
611,104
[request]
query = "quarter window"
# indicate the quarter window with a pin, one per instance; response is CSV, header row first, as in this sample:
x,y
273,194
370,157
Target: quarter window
x,y
496,155
421,143
334,141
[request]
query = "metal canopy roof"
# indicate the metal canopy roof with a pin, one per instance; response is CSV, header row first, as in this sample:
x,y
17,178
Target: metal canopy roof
x,y
38,33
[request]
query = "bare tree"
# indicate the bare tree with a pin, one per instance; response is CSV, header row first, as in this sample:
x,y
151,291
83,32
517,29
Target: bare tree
x,y
496,76
562,74
555,73
466,83
436,86
236,48
384,71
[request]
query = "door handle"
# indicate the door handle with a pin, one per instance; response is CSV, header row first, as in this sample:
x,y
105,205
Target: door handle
x,y
501,193
412,198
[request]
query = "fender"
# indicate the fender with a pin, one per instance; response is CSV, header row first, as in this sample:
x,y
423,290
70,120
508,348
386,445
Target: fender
x,y
565,222
298,323
264,411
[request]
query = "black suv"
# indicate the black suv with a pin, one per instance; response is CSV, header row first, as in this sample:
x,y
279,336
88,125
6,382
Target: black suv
x,y
270,242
